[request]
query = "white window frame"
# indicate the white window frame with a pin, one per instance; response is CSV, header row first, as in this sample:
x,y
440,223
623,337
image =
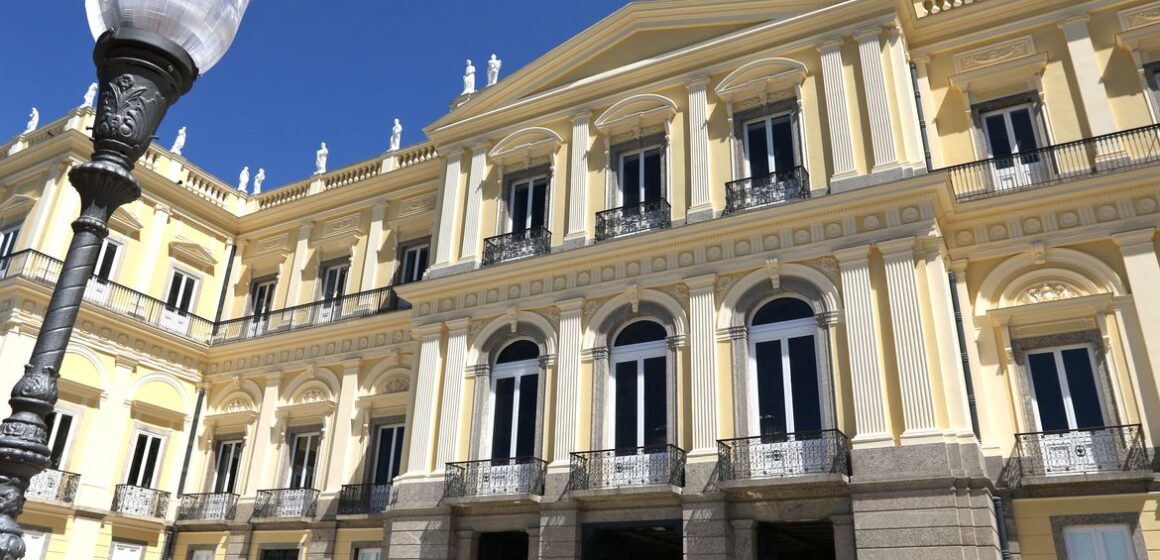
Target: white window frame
x,y
527,182
9,237
396,442
515,370
1009,128
1098,532
116,265
193,297
661,150
239,445
367,553
73,429
781,332
294,438
324,273
202,554
768,121
163,441
270,285
1064,387
45,538
635,353
138,548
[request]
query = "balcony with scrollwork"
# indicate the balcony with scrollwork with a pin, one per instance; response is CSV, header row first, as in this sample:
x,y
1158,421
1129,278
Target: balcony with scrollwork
x,y
777,188
629,220
51,485
285,504
207,508
517,245
518,479
627,471
1089,456
782,459
364,499
138,501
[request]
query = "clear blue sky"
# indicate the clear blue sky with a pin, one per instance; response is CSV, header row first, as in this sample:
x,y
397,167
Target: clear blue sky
x,y
300,72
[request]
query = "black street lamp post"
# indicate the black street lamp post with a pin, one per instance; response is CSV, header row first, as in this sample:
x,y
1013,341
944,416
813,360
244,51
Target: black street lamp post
x,y
141,73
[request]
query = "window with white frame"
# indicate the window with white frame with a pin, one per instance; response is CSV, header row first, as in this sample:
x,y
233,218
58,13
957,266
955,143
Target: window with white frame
x,y
303,460
388,456
770,145
368,554
515,385
414,262
638,386
35,544
126,551
527,203
146,461
8,238
182,289
60,430
1065,394
229,459
1099,542
783,367
1152,74
1012,131
262,296
640,173
280,554
201,554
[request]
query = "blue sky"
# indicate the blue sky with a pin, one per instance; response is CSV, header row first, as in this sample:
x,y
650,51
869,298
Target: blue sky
x,y
300,72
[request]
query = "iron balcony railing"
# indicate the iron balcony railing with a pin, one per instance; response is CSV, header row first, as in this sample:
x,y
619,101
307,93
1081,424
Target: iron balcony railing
x,y
1086,451
653,465
784,455
358,499
495,477
45,270
780,187
1118,151
285,503
626,220
54,485
208,507
517,245
325,312
139,501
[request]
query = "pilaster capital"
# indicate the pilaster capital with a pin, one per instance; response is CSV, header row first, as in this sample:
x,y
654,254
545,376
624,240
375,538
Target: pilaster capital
x,y
830,44
305,228
453,152
126,362
428,331
351,366
697,82
162,208
1136,239
1073,20
732,333
853,255
896,248
703,283
920,59
458,326
482,370
480,147
571,305
958,266
867,33
594,354
582,117
273,378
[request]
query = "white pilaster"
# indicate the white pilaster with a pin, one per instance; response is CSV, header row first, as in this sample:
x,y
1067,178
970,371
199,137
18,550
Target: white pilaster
x,y
469,250
578,181
449,209
949,354
156,237
374,245
862,341
567,380
833,77
878,106
699,148
265,442
909,338
340,442
1140,261
703,361
422,425
928,112
452,407
1088,75
298,265
912,155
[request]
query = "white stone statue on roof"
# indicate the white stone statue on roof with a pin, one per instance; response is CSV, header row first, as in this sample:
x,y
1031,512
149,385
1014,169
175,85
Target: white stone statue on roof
x,y
258,180
320,159
396,136
90,95
33,121
493,67
244,178
469,79
179,142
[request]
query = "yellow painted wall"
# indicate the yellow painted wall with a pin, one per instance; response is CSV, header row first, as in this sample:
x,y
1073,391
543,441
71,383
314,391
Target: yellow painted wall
x,y
1033,519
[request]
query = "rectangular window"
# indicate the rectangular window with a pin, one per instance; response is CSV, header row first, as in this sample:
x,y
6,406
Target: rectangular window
x,y
1099,542
262,297
59,436
126,551
334,281
146,460
388,454
181,290
527,204
107,261
304,460
229,457
8,240
35,544
202,554
369,554
1064,389
414,263
280,554
770,146
640,176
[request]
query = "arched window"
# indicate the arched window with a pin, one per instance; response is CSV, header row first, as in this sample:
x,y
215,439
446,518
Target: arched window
x,y
783,366
639,386
515,382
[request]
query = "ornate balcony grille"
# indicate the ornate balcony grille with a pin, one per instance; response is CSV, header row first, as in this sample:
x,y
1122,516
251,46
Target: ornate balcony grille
x,y
1093,450
54,485
345,308
517,245
143,502
784,455
776,188
635,466
357,499
208,507
626,220
285,503
495,477
1089,157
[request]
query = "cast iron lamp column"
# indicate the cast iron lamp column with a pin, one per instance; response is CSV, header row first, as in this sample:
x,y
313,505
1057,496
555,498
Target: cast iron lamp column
x,y
141,73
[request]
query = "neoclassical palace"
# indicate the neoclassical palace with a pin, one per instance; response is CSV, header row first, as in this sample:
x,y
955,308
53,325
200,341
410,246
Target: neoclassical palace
x,y
714,279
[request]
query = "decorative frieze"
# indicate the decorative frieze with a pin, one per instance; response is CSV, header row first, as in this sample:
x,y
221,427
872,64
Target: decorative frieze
x,y
995,53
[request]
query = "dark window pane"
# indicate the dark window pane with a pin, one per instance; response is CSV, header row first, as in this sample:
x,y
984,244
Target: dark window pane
x,y
998,140
630,180
803,365
518,351
105,267
1085,399
758,149
652,175
526,423
501,432
503,546
421,261
539,203
138,459
641,331
783,144
656,418
782,309
626,405
398,457
61,437
383,456
519,209
770,387
1048,395
1024,130
175,289
186,295
150,465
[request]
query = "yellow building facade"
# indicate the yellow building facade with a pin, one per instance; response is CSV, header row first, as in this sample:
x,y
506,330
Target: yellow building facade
x,y
743,279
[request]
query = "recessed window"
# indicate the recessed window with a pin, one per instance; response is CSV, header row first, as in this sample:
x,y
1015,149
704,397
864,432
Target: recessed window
x,y
146,460
388,454
527,204
770,146
1099,542
107,261
229,459
515,383
414,263
126,551
368,554
304,460
640,176
639,386
60,426
280,554
202,554
784,368
1013,138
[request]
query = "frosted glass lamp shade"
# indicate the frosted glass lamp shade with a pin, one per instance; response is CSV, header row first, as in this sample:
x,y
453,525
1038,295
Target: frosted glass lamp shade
x,y
204,28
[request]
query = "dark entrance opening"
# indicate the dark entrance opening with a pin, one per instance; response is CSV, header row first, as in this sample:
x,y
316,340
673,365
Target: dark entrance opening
x,y
796,541
280,554
647,540
503,546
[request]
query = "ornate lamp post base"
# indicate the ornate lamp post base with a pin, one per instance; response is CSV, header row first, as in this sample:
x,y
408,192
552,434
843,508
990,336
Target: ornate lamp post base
x,y
140,74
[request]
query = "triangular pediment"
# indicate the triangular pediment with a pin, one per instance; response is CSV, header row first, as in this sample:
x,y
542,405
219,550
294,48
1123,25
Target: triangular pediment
x,y
16,205
192,254
126,222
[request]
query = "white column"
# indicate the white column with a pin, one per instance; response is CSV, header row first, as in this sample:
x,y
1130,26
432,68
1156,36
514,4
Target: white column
x,y
452,407
909,338
567,380
374,245
949,355
703,361
426,400
862,341
932,134
878,106
298,265
471,215
1140,261
156,238
340,441
905,96
578,182
702,204
833,76
1088,75
264,443
449,208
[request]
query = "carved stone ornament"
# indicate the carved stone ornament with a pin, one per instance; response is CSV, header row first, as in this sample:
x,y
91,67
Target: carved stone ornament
x,y
236,405
311,396
1048,291
1141,16
397,385
994,54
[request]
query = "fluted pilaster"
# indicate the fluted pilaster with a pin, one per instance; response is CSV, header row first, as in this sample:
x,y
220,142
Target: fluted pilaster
x,y
909,338
702,354
834,80
469,250
874,80
453,376
567,380
862,341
